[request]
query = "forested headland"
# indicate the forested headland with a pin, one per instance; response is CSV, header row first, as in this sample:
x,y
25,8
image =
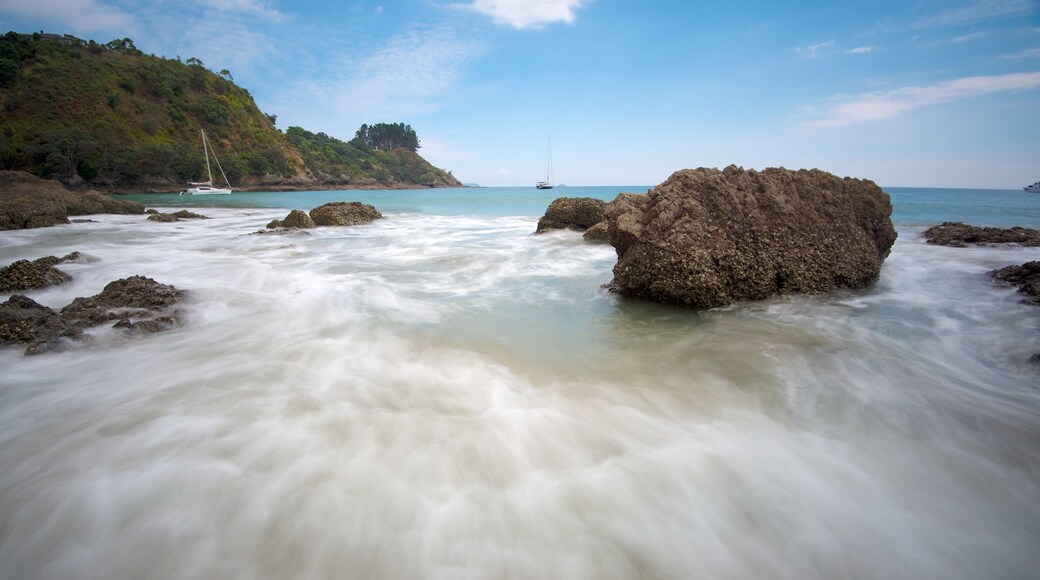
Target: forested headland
x,y
108,116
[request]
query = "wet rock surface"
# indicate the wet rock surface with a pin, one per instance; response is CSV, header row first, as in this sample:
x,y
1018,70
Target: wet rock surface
x,y
296,220
39,273
1026,277
137,304
344,213
706,237
175,216
957,234
579,213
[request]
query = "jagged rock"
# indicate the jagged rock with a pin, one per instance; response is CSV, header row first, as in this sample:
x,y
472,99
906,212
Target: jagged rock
x,y
24,321
133,297
578,213
39,273
706,238
1026,277
296,220
959,235
597,233
344,213
176,216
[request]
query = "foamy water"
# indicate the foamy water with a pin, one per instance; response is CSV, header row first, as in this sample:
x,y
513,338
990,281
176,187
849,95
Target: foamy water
x,y
448,396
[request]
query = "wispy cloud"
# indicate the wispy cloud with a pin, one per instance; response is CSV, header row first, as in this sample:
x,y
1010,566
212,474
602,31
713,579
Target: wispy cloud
x,y
815,50
1028,53
880,105
975,12
969,37
78,16
260,7
861,50
527,13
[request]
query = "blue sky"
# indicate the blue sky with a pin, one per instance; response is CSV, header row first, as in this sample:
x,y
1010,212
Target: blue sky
x,y
907,93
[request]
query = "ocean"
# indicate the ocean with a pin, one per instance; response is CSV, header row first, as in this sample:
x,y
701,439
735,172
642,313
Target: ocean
x,y
442,394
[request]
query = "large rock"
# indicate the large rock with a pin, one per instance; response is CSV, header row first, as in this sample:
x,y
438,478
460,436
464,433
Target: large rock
x,y
579,213
344,213
959,234
27,201
25,322
706,238
175,216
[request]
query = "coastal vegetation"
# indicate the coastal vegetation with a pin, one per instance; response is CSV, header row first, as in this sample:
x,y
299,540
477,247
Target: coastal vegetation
x,y
110,116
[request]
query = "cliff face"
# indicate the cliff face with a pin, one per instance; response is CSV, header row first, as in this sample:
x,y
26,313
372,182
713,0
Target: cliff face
x,y
706,238
111,117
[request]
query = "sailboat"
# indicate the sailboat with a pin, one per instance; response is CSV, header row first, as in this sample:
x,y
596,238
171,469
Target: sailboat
x,y
206,187
547,184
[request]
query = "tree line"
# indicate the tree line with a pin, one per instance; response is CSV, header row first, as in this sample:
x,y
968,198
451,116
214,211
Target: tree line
x,y
386,137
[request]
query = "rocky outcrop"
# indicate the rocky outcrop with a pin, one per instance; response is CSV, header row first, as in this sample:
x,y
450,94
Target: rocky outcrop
x,y
27,201
579,213
706,238
137,305
296,220
597,233
959,234
40,273
344,213
175,216
1026,277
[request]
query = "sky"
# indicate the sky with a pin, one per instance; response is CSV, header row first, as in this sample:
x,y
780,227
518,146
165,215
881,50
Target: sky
x,y
914,93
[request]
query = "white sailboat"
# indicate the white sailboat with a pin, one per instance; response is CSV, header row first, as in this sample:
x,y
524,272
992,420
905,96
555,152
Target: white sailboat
x,y
547,184
206,187
1035,188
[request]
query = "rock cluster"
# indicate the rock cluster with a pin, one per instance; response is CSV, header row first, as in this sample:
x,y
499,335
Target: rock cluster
x,y
337,213
27,201
706,238
959,234
1026,277
137,304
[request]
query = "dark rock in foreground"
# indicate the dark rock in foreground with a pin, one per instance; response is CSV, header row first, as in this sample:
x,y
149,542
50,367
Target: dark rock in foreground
x,y
27,201
578,213
706,238
40,273
137,304
175,216
597,233
1026,277
344,213
296,220
959,235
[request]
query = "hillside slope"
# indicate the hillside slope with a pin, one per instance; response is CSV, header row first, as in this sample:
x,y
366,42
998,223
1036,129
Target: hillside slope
x,y
109,116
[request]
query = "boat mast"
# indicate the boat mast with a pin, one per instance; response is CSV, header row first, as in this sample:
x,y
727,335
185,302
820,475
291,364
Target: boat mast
x,y
548,169
205,150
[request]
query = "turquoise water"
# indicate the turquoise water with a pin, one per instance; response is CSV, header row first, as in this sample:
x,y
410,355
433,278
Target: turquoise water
x,y
441,393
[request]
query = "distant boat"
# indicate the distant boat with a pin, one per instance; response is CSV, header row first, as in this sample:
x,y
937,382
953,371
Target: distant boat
x,y
1035,188
206,187
547,184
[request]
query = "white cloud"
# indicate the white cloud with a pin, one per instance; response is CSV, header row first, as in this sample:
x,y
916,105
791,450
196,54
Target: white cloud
x,y
977,11
969,37
861,50
815,50
261,7
78,16
880,105
527,13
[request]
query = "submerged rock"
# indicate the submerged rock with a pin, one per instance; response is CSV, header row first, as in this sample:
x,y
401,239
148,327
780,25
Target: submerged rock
x,y
344,213
578,213
176,216
24,321
958,235
706,238
1026,277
